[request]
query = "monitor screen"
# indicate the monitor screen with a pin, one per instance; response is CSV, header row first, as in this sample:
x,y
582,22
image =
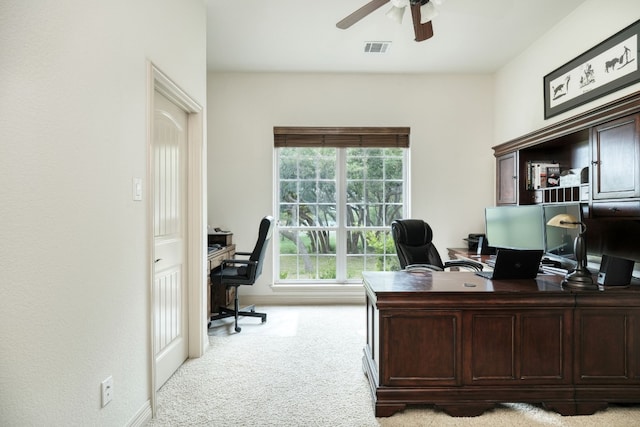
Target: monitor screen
x,y
517,227
559,241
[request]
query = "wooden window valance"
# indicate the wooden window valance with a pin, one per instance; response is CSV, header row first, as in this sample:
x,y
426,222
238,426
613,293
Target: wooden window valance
x,y
382,137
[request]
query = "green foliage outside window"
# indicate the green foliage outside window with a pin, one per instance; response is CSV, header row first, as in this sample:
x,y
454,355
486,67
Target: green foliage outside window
x,y
309,179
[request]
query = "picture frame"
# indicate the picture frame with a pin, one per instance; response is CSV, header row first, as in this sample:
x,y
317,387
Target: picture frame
x,y
603,69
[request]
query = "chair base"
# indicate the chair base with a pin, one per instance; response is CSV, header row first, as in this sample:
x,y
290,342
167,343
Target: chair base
x,y
249,311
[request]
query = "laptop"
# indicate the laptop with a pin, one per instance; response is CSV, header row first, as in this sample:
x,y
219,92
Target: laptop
x,y
514,264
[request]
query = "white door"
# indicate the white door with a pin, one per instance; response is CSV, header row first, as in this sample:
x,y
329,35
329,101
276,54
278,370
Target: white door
x,y
170,302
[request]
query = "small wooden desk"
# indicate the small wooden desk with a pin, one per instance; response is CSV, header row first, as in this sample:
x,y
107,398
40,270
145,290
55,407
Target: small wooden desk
x,y
218,296
464,343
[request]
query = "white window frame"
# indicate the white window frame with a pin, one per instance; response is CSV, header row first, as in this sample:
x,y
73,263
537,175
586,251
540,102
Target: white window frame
x,y
341,230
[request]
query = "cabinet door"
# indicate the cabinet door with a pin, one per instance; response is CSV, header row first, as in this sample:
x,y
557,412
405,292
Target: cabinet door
x,y
420,348
616,158
507,347
506,179
607,348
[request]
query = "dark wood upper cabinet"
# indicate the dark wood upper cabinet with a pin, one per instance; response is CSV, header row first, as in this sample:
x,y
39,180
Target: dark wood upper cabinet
x,y
507,179
602,144
615,168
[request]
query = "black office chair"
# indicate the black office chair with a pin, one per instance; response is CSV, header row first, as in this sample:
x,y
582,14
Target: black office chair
x,y
237,272
415,249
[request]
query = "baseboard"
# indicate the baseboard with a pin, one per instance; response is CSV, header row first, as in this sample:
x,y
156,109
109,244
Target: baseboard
x,y
142,417
300,299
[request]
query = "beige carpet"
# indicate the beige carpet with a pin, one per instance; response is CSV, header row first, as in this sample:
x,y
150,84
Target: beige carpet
x,y
303,368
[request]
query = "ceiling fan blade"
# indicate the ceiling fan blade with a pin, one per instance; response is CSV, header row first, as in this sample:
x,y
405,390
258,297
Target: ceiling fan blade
x,y
422,31
360,13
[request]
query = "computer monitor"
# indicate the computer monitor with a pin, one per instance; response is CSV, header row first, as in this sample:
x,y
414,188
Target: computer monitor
x,y
560,241
516,227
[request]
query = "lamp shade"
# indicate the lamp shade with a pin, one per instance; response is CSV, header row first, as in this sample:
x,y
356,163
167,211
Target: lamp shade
x,y
427,12
564,221
395,14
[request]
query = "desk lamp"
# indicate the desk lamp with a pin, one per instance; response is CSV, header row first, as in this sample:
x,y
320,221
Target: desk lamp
x,y
580,278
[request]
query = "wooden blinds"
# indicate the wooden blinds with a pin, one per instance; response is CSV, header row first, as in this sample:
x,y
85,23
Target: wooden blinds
x,y
384,137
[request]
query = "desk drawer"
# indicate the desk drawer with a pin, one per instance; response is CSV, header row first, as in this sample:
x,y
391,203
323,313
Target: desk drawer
x,y
215,261
616,209
216,258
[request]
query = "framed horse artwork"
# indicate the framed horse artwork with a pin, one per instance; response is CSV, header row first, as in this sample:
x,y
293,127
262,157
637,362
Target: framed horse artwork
x,y
603,69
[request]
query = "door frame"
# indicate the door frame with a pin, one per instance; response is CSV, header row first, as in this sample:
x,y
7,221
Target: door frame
x,y
195,217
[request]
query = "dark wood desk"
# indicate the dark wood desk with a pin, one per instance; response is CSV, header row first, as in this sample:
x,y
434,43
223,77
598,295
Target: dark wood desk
x,y
463,343
218,296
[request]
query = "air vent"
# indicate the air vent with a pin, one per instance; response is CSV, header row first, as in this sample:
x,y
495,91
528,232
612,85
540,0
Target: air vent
x,y
376,47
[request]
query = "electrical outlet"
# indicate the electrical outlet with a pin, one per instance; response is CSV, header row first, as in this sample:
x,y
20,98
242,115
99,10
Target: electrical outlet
x,y
107,390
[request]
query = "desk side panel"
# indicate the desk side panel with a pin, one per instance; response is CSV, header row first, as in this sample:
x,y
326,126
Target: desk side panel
x,y
421,347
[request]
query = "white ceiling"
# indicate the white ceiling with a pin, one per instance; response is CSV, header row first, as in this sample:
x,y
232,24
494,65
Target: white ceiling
x,y
470,36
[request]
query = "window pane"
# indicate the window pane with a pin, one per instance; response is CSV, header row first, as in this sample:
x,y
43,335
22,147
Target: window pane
x,y
307,254
288,191
374,192
356,215
327,192
394,152
327,215
355,242
355,167
354,152
288,214
327,167
393,212
393,191
375,215
288,168
374,168
355,266
308,192
308,216
355,191
393,168
307,169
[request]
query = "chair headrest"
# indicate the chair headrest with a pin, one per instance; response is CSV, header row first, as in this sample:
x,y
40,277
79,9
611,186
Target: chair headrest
x,y
412,232
266,227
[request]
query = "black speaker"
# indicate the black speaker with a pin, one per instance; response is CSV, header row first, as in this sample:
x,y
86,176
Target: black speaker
x,y
483,245
615,271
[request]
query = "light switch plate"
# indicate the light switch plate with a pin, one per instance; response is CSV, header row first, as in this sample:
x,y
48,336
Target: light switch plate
x,y
137,189
107,390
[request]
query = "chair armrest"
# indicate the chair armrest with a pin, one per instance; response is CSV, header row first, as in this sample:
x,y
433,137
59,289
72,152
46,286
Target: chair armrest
x,y
422,267
243,253
476,266
226,262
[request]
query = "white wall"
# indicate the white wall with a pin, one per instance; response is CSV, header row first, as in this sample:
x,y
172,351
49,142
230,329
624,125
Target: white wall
x,y
73,125
451,121
519,96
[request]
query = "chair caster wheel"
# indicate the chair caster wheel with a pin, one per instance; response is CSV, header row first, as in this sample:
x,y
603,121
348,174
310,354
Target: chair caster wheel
x,y
264,319
238,328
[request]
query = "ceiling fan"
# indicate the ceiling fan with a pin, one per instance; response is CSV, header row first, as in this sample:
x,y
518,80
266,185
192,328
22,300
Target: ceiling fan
x,y
422,11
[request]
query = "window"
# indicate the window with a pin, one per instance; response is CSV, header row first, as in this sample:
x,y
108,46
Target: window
x,y
336,199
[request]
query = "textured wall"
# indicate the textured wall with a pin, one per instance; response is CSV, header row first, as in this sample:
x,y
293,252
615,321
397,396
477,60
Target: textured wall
x,y
519,96
73,125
